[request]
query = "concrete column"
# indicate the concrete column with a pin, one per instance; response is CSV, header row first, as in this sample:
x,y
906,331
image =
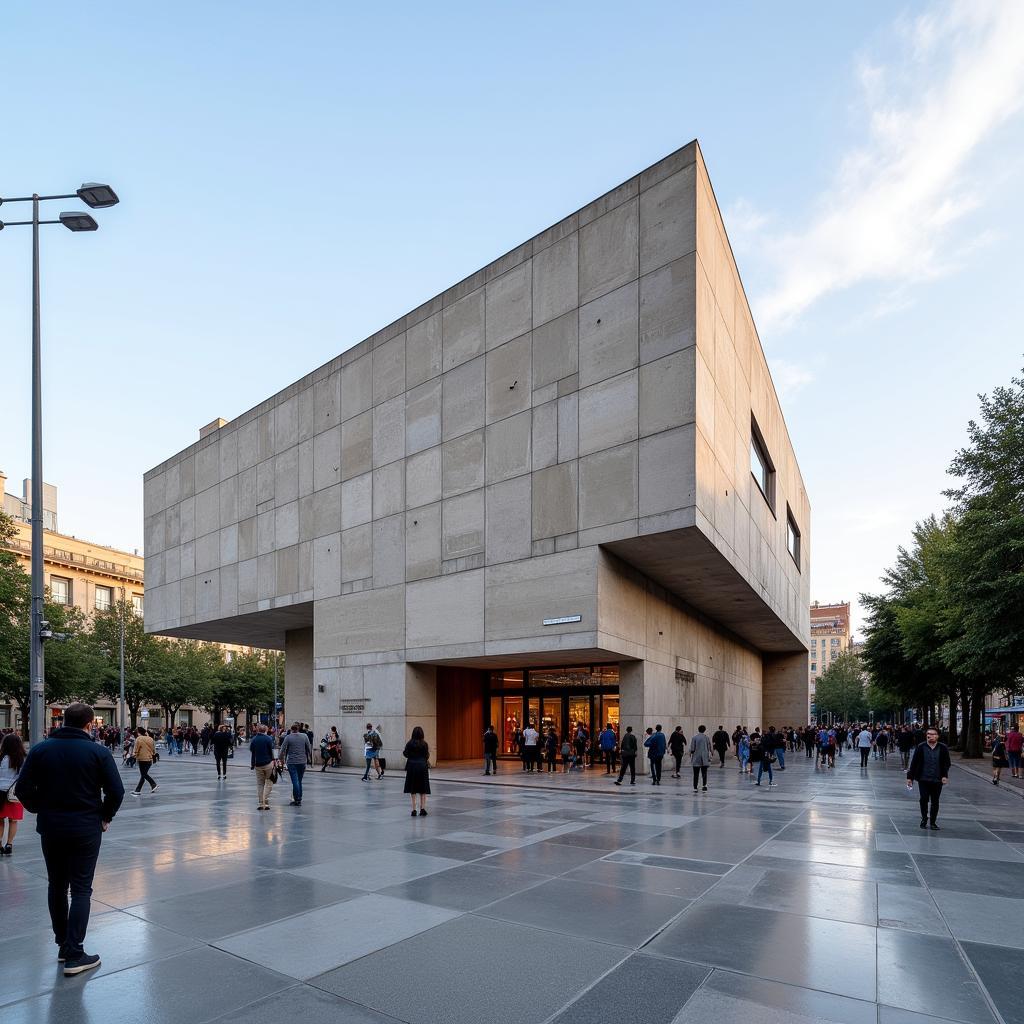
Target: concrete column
x,y
421,704
648,694
785,692
298,676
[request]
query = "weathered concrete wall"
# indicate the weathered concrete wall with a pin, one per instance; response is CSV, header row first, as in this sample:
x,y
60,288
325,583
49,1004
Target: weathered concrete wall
x,y
688,671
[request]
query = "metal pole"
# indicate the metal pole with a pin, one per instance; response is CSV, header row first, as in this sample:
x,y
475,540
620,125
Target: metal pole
x,y
275,693
37,703
120,710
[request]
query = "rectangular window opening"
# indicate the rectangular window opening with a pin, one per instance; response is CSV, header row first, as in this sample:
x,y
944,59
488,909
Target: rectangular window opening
x,y
762,469
792,537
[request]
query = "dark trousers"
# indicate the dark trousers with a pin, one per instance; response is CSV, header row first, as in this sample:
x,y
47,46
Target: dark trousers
x,y
628,763
656,770
720,751
864,751
529,758
296,771
930,793
491,763
609,762
700,771
809,747
678,759
222,763
70,865
144,767
551,756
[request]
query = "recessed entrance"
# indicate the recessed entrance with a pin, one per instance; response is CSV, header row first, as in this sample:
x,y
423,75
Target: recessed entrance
x,y
560,698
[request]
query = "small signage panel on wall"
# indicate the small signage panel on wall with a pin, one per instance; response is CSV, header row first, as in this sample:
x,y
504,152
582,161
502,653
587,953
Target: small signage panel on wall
x,y
563,619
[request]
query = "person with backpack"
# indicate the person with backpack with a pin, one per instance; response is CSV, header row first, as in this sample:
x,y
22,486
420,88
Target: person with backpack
x,y
145,755
756,751
743,751
379,763
627,752
767,760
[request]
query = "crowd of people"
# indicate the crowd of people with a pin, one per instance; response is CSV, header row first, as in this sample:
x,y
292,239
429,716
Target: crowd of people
x,y
71,782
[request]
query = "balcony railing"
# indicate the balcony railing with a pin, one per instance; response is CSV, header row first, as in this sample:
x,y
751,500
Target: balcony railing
x,y
72,558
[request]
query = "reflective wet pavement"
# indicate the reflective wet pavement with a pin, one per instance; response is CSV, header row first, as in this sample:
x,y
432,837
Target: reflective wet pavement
x,y
564,900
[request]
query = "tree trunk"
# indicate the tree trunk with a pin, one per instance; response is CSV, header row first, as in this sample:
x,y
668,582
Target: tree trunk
x,y
23,707
954,736
973,746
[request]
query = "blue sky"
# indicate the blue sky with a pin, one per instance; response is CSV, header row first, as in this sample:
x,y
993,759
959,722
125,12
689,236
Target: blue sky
x,y
295,177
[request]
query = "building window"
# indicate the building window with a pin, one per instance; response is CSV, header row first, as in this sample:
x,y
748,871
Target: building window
x,y
104,599
761,467
814,666
60,590
792,537
137,604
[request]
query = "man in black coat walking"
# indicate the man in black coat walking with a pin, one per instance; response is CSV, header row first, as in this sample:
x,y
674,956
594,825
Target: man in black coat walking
x,y
930,767
73,787
720,741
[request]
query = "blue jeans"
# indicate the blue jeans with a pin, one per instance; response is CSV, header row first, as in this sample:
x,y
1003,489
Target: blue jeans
x,y
296,771
369,765
491,762
761,765
781,755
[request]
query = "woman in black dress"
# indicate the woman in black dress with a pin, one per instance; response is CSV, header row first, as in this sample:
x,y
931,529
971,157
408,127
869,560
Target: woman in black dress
x,y
417,778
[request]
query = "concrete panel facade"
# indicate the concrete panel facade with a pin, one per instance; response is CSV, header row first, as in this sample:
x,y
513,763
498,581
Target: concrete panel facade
x,y
564,433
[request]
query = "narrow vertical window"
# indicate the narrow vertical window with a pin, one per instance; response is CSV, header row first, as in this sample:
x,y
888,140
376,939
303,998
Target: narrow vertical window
x,y
761,467
792,537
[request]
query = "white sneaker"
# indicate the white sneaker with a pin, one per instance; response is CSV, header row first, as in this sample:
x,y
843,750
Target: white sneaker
x,y
134,793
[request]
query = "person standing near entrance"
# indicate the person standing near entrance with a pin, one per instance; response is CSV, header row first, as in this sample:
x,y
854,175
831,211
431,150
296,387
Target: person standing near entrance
x,y
627,751
608,741
223,742
864,745
655,744
700,757
145,755
261,761
490,751
73,787
930,767
530,740
295,753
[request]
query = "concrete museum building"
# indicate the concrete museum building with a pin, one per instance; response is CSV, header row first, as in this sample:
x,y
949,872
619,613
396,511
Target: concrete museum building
x,y
560,491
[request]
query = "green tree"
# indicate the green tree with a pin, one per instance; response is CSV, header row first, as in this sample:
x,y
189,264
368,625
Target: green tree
x,y
987,561
840,688
186,674
245,683
142,658
70,671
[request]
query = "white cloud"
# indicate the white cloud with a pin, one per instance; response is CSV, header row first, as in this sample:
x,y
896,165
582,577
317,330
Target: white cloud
x,y
789,378
887,214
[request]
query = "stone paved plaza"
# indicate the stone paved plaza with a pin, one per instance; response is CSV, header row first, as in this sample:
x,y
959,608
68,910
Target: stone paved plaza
x,y
562,900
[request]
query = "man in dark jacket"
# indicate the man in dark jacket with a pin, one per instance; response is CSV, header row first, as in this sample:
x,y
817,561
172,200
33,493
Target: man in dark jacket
x,y
490,751
73,787
930,767
656,746
627,750
720,741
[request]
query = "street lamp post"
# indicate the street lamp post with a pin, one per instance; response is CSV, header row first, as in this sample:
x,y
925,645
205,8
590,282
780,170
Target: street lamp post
x,y
97,197
120,709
